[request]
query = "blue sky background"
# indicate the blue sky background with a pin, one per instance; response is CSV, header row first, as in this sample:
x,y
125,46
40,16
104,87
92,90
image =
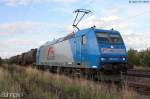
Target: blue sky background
x,y
26,24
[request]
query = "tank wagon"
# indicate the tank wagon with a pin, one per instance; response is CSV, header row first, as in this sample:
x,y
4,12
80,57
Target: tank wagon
x,y
29,57
26,58
88,48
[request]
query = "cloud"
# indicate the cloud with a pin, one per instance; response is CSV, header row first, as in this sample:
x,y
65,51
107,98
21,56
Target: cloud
x,y
14,46
18,42
137,41
27,28
107,22
111,11
30,2
21,36
109,18
17,27
18,2
66,1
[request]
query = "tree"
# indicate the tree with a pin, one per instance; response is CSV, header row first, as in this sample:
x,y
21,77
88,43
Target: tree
x,y
145,57
133,57
1,61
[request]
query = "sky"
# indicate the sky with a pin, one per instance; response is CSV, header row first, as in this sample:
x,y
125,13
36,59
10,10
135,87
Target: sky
x,y
26,24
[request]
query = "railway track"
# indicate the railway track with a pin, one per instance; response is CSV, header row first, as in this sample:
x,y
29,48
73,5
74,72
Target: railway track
x,y
139,80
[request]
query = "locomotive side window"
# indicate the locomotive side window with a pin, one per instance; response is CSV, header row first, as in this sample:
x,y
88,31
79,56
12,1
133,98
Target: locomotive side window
x,y
83,39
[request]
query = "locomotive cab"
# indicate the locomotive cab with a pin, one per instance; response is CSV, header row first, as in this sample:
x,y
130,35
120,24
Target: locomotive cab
x,y
112,49
99,49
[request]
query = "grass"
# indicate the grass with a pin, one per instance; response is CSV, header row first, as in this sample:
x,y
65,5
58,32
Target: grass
x,y
34,84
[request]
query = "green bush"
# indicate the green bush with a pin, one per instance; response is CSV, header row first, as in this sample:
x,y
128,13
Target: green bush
x,y
139,58
133,57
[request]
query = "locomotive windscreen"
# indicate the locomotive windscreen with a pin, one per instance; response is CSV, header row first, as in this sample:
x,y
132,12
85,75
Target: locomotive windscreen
x,y
108,38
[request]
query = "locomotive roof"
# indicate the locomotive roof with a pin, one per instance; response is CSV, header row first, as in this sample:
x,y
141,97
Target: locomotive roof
x,y
59,39
101,30
78,32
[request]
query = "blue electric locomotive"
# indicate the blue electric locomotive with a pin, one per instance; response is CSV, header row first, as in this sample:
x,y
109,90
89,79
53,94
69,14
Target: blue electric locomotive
x,y
88,48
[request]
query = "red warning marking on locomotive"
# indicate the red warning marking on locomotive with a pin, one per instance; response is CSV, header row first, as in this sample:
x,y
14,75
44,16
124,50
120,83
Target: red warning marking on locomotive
x,y
50,52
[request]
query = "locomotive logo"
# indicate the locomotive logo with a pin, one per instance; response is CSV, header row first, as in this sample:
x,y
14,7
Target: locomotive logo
x,y
110,50
50,53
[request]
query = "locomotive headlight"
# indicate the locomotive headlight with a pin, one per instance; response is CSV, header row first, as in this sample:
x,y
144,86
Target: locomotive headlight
x,y
102,59
124,59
